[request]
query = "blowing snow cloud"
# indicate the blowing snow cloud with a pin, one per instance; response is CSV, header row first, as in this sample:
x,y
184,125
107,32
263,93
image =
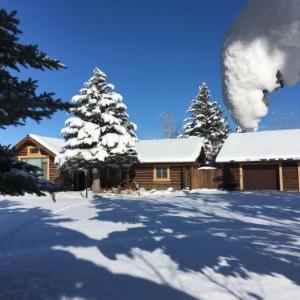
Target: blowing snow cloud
x,y
261,52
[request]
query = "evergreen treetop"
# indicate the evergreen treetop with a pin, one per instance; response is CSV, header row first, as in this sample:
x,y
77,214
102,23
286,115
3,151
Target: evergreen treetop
x,y
206,120
19,99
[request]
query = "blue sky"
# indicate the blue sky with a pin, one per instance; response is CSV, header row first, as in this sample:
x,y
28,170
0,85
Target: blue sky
x,y
155,52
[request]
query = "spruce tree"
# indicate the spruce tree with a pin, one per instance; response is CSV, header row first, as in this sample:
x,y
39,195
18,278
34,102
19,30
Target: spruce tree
x,y
100,131
206,120
19,100
219,129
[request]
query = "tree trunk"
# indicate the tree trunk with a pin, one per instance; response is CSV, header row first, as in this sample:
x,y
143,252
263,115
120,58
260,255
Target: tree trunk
x,y
127,180
96,187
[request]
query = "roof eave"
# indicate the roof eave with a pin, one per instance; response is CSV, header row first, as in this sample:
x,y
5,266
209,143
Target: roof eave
x,y
28,137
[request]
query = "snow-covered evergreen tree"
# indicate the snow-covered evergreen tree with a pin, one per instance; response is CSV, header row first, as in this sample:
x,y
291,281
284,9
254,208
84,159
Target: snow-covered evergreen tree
x,y
219,129
100,131
20,100
206,120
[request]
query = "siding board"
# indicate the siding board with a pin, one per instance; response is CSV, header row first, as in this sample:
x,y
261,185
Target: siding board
x,y
54,174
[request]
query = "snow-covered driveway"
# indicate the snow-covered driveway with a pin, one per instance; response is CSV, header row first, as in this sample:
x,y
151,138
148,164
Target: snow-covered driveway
x,y
182,245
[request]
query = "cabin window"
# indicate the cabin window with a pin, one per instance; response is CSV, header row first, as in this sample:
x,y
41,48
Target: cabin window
x,y
34,150
161,173
41,163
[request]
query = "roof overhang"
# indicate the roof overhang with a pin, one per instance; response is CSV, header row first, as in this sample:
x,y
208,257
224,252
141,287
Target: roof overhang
x,y
28,138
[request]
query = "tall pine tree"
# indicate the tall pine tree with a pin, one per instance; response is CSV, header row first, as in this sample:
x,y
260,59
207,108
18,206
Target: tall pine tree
x,y
100,131
19,100
206,120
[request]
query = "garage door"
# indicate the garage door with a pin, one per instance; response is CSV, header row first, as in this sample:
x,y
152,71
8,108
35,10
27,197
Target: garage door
x,y
261,177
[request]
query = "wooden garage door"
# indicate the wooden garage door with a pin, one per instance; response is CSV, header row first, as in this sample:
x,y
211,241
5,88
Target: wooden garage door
x,y
261,177
290,176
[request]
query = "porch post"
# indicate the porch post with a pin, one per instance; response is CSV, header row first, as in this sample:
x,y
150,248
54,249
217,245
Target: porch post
x,y
241,177
96,186
299,175
280,178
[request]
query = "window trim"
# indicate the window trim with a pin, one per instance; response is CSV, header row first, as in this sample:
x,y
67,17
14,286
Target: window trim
x,y
168,178
33,153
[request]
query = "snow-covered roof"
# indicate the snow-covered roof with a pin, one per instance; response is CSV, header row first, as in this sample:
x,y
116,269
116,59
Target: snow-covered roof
x,y
53,144
169,150
261,145
149,151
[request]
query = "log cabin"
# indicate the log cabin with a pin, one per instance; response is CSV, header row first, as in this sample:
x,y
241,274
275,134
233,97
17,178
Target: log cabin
x,y
262,160
163,163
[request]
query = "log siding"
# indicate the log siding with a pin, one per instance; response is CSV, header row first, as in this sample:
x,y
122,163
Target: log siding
x,y
179,176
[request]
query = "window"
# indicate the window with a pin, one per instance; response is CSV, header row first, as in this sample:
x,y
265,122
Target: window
x,y
161,173
34,150
41,163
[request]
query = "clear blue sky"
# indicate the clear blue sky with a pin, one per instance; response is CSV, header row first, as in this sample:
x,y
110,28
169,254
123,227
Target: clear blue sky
x,y
155,52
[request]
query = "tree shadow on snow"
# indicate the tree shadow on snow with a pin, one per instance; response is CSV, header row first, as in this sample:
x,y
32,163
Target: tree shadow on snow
x,y
31,269
256,231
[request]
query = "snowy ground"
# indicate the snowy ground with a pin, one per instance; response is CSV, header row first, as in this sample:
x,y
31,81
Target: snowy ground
x,y
183,245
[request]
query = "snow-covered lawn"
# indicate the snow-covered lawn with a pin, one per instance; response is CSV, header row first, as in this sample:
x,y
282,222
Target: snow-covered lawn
x,y
182,245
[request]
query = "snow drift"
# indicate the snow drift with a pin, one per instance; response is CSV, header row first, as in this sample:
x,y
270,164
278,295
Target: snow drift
x,y
261,52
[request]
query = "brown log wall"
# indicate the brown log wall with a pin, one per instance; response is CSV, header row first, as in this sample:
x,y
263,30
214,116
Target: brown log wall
x,y
180,177
22,151
54,174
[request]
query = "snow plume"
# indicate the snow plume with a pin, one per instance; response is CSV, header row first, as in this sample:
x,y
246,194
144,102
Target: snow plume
x,y
261,53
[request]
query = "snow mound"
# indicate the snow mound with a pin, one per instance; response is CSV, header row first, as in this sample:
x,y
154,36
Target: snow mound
x,y
261,52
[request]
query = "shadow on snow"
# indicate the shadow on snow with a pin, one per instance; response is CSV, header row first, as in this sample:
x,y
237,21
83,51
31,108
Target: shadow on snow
x,y
255,231
31,269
